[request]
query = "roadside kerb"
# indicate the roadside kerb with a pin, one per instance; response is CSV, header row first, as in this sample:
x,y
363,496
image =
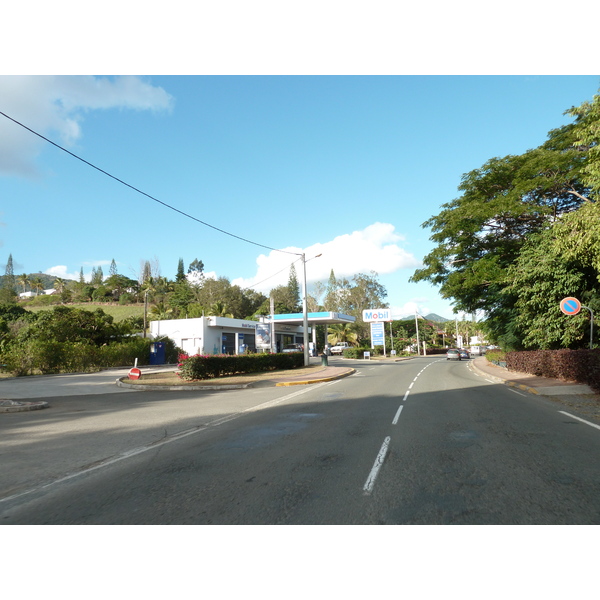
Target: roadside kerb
x,y
17,406
320,380
485,374
540,386
121,382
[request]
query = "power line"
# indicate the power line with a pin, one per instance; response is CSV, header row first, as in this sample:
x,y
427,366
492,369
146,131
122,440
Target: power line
x,y
271,276
144,193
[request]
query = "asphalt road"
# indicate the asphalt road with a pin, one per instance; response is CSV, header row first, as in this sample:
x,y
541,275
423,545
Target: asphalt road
x,y
424,441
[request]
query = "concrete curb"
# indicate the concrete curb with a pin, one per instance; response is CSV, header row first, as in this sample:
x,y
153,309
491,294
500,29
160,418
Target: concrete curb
x,y
18,406
522,387
181,388
322,380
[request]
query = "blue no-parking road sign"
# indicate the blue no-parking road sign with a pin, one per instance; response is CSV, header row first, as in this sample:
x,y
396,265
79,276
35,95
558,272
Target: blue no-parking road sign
x,y
570,306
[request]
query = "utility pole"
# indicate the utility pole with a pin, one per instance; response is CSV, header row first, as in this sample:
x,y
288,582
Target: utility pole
x,y
417,326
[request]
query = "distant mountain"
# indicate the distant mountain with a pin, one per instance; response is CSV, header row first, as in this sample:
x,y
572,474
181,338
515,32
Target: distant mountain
x,y
430,317
436,318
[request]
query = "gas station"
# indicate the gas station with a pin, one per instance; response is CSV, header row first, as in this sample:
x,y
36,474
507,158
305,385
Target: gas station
x,y
297,320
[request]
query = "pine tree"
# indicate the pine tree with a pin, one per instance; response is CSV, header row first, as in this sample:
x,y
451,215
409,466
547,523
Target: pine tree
x,y
81,277
331,302
180,272
294,288
9,275
146,272
113,268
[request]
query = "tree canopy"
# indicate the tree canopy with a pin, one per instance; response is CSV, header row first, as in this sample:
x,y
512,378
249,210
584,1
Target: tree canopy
x,y
488,242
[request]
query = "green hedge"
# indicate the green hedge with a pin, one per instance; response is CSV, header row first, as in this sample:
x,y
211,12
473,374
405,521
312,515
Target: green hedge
x,y
38,356
580,365
358,352
219,365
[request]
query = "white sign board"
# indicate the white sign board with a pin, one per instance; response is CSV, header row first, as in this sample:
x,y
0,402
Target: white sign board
x,y
377,314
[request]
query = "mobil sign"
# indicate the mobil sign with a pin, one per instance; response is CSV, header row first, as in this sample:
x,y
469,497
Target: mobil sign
x,y
377,314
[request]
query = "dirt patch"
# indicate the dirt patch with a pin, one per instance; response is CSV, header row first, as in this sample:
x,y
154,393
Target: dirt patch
x,y
171,379
585,405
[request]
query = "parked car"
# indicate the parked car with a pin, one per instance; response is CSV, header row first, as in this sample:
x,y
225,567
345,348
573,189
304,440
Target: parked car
x,y
464,354
293,348
453,354
339,348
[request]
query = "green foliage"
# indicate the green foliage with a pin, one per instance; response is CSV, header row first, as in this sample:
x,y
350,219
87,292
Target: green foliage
x,y
496,356
587,133
34,356
483,260
294,290
563,260
62,324
356,352
118,285
237,302
180,276
200,367
8,295
13,312
580,365
181,297
342,332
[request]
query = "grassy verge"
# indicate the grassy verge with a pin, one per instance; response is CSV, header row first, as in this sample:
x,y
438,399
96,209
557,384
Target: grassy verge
x,y
119,312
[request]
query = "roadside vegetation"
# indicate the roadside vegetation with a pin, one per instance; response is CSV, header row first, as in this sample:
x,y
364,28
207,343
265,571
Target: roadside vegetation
x,y
523,235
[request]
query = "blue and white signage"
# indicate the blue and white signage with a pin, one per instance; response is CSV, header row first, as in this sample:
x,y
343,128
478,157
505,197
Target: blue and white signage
x,y
377,334
377,314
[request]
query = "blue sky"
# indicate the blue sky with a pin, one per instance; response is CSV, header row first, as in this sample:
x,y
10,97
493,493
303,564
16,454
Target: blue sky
x,y
344,166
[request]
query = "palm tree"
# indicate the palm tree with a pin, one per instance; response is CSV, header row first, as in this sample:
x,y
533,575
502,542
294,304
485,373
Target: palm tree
x,y
160,311
219,309
37,285
24,281
59,285
342,332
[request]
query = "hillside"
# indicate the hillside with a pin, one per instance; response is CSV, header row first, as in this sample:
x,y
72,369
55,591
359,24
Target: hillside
x,y
436,318
47,281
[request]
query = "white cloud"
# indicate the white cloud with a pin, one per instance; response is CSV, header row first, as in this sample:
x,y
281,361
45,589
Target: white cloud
x,y
374,248
62,272
54,106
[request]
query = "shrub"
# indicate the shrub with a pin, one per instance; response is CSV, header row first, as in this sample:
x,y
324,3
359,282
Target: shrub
x,y
199,367
581,365
496,356
356,352
42,356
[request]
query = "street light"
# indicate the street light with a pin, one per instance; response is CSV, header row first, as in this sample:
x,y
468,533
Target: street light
x,y
305,308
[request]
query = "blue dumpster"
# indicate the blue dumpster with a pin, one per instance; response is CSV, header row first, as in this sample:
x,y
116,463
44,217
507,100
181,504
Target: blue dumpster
x,y
157,353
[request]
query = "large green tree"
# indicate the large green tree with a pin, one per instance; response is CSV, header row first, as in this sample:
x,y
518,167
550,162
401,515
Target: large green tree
x,y
587,132
479,235
563,260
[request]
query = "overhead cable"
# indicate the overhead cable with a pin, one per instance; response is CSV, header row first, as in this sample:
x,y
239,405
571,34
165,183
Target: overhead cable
x,y
144,193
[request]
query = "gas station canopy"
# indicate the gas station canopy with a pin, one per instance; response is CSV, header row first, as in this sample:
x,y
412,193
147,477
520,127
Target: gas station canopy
x,y
327,318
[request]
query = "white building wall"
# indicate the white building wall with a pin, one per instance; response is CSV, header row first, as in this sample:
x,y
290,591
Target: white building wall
x,y
203,335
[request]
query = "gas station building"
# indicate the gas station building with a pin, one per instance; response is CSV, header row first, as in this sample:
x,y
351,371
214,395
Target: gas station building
x,y
222,335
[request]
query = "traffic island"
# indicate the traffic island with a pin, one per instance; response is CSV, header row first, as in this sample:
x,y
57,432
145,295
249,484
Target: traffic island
x,y
18,406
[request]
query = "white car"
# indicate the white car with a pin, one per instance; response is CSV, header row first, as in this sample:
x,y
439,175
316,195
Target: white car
x,y
339,348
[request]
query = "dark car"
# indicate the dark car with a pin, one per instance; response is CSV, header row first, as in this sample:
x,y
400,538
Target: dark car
x,y
453,354
464,354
